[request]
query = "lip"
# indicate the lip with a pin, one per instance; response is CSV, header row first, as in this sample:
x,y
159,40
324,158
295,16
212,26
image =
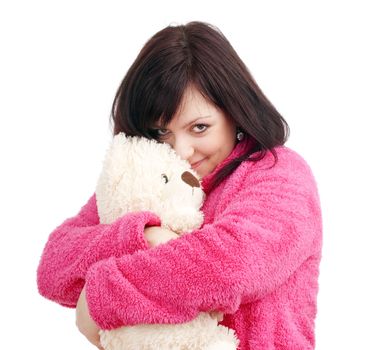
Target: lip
x,y
196,164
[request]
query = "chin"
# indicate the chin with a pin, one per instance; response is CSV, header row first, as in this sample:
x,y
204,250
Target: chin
x,y
203,173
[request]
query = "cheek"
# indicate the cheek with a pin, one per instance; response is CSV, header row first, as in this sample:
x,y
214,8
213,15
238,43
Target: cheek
x,y
220,144
209,147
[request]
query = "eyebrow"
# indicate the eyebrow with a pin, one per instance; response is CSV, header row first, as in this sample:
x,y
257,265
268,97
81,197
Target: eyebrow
x,y
195,120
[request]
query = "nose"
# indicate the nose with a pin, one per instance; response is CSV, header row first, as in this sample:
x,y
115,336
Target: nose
x,y
183,148
189,179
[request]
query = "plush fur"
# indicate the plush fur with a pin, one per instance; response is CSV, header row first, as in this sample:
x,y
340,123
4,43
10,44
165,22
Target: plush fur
x,y
140,174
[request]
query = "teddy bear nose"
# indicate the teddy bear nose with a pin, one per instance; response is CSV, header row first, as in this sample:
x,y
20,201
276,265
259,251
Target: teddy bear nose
x,y
190,179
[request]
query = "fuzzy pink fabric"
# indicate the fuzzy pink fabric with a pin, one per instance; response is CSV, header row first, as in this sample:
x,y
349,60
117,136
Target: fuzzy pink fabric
x,y
256,259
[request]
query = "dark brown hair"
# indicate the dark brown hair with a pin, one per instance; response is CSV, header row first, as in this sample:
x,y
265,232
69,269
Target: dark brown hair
x,y
196,54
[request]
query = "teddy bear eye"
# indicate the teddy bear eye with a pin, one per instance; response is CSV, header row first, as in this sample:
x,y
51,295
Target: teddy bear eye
x,y
165,178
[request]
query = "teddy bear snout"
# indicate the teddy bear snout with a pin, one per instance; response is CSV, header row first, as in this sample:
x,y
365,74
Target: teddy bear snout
x,y
190,179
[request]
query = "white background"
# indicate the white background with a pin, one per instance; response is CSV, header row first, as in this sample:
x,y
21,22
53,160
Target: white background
x,y
61,63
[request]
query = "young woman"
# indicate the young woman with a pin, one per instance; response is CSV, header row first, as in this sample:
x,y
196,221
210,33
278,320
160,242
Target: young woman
x,y
256,257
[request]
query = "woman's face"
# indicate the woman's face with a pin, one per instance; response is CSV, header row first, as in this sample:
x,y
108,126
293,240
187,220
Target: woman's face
x,y
199,133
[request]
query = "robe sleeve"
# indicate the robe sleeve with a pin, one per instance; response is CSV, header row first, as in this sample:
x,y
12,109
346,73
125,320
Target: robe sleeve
x,y
81,241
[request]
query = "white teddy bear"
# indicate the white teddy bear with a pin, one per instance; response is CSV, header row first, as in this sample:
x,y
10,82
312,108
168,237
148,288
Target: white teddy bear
x,y
138,175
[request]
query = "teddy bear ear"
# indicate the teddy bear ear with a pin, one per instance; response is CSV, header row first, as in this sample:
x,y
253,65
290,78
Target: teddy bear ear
x,y
189,179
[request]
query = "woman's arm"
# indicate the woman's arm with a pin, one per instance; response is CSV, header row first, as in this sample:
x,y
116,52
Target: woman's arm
x,y
86,325
81,241
272,226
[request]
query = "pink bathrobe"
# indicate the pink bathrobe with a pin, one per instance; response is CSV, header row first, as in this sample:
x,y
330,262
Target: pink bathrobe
x,y
256,259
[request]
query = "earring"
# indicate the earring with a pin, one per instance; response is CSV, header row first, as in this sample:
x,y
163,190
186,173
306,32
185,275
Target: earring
x,y
240,135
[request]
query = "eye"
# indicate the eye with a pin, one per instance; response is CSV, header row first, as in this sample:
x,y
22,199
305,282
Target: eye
x,y
165,178
161,132
200,128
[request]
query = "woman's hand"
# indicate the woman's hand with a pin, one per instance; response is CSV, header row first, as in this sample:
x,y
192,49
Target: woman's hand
x,y
85,323
156,235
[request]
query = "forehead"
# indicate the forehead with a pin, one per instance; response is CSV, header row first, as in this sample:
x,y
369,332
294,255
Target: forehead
x,y
192,107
